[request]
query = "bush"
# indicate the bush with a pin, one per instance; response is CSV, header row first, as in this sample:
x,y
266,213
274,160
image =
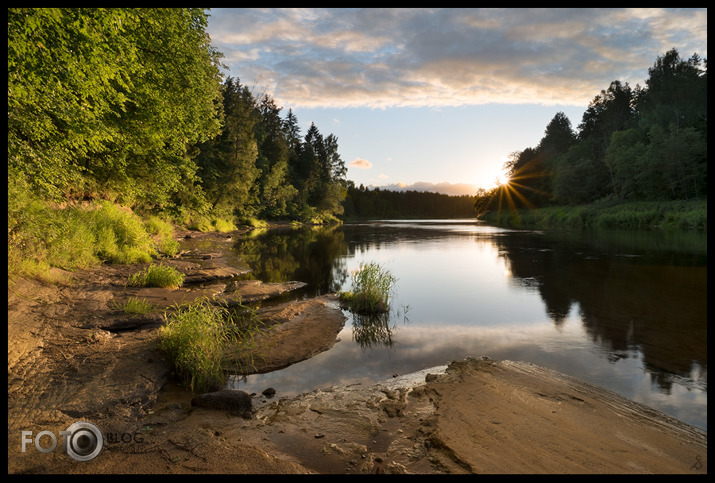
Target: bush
x,y
157,276
372,286
223,225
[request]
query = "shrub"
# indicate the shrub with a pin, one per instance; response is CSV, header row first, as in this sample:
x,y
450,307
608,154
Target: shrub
x,y
42,236
157,276
372,286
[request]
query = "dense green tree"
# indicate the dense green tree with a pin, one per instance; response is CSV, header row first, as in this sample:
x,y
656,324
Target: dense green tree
x,y
529,178
558,137
579,175
636,144
108,102
227,164
362,203
676,93
276,192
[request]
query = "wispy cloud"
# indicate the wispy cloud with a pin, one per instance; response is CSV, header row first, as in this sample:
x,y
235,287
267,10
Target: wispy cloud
x,y
446,57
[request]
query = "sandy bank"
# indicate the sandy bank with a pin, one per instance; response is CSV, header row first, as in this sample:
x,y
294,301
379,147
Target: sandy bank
x,y
72,357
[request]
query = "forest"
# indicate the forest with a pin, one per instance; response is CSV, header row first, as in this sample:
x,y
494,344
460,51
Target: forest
x,y
363,203
633,144
121,122
130,106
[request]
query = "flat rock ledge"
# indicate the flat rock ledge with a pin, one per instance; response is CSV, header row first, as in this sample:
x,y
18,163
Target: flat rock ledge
x,y
292,332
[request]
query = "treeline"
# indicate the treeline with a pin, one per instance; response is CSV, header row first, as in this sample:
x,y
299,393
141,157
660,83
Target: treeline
x,y
363,203
129,105
633,144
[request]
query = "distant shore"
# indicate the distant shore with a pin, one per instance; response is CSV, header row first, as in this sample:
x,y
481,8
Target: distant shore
x,y
688,215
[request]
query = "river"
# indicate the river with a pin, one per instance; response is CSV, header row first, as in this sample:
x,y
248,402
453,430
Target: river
x,y
623,310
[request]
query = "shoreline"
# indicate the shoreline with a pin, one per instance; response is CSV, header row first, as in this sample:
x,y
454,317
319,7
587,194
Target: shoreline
x,y
71,357
637,215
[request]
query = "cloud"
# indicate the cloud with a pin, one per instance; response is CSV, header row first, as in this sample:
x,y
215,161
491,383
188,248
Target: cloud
x,y
360,163
448,57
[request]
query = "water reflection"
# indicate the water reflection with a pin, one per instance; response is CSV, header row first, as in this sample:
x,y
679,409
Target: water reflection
x,y
623,310
626,303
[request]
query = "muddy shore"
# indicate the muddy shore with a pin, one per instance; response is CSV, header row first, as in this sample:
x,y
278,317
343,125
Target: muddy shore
x,y
72,356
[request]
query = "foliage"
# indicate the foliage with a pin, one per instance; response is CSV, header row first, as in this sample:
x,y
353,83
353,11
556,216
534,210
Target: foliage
x,y
197,338
135,306
157,276
607,214
362,203
255,169
41,235
372,287
633,144
128,105
107,101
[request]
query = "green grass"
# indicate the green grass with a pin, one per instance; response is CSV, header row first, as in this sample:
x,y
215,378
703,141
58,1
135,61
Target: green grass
x,y
134,306
372,287
673,215
163,234
196,339
205,223
157,276
42,236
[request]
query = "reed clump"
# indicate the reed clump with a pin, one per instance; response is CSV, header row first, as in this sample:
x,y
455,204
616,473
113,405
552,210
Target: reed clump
x,y
372,288
197,337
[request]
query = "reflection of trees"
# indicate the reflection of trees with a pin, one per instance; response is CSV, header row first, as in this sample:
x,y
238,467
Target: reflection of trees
x,y
372,330
625,304
313,255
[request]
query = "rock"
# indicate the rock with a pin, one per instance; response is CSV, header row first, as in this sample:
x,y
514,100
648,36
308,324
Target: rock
x,y
237,402
269,392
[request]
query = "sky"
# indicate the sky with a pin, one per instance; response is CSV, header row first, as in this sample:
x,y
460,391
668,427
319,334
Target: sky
x,y
437,99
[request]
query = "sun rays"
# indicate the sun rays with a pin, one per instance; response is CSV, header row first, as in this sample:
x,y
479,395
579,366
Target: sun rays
x,y
511,190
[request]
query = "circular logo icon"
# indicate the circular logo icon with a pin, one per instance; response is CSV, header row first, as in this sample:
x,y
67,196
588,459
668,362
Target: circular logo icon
x,y
85,441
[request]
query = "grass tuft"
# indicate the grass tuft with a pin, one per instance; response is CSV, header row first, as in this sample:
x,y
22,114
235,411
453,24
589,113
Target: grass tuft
x,y
372,287
197,337
157,276
134,306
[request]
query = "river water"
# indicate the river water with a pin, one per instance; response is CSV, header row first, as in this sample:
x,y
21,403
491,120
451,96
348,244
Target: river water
x,y
623,310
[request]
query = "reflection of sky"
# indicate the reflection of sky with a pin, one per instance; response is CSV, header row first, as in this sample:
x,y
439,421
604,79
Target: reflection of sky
x,y
463,302
467,282
419,347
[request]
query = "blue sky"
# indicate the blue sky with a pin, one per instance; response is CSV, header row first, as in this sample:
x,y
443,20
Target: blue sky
x,y
439,98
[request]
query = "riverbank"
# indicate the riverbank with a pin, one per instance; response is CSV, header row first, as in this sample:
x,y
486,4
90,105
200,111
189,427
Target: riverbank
x,y
73,357
607,214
